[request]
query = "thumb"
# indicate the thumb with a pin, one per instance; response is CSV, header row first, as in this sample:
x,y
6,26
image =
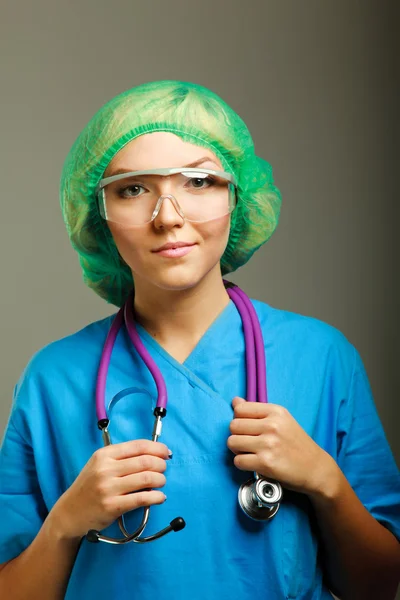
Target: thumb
x,y
237,400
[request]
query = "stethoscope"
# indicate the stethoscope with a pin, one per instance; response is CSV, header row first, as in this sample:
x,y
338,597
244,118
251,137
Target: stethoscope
x,y
259,498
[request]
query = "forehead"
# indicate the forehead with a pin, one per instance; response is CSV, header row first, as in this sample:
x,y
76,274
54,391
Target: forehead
x,y
157,150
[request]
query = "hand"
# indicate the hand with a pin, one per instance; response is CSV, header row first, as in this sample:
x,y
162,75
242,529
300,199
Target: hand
x,y
267,439
102,492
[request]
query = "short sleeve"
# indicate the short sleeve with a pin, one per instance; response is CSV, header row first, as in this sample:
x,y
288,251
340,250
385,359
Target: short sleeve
x,y
22,509
365,456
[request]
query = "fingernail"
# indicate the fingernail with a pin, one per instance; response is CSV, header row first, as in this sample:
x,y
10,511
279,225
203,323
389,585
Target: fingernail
x,y
165,497
170,453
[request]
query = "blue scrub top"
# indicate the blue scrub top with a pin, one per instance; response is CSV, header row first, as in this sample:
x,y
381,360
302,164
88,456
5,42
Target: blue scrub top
x,y
312,370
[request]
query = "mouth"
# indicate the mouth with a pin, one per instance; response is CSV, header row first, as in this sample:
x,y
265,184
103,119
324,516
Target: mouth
x,y
173,245
175,249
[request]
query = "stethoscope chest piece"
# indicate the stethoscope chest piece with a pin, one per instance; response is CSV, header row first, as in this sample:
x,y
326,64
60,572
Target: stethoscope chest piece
x,y
260,498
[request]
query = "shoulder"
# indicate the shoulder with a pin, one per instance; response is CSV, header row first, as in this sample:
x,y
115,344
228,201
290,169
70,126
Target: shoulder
x,y
56,375
80,348
309,335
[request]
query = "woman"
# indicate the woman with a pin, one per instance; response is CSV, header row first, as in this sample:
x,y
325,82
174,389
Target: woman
x,y
319,435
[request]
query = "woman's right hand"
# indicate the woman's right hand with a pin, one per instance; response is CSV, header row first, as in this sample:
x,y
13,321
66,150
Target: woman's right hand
x,y
116,479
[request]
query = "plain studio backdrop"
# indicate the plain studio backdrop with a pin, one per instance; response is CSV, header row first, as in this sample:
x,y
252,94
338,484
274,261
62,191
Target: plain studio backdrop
x,y
315,82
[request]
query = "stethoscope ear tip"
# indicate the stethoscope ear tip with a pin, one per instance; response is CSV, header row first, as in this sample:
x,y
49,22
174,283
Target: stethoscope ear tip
x,y
93,536
178,524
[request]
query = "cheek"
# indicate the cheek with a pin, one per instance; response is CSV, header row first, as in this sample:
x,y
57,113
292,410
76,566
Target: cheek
x,y
216,233
128,243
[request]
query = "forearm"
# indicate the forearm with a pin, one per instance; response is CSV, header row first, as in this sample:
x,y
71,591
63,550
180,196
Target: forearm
x,y
41,571
361,557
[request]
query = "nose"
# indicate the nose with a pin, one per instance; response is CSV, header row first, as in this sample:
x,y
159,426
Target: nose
x,y
168,213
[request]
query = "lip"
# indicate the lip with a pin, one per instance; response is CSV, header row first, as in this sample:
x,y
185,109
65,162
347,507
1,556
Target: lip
x,y
174,245
176,252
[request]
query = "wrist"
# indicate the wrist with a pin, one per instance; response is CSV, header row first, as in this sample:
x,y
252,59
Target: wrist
x,y
327,480
59,524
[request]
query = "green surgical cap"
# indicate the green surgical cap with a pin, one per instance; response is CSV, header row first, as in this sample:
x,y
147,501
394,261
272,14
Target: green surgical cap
x,y
195,114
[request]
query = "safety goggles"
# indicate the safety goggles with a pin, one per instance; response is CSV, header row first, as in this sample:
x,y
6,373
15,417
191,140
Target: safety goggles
x,y
198,195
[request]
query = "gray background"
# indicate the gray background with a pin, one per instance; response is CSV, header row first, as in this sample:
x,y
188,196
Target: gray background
x,y
315,81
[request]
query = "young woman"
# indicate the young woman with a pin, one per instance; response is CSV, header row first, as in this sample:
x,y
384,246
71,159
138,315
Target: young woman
x,y
203,205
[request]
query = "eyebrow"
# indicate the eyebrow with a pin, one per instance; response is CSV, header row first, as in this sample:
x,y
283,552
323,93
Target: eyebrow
x,y
196,163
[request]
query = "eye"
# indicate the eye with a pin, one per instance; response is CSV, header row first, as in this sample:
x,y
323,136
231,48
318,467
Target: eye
x,y
130,191
199,181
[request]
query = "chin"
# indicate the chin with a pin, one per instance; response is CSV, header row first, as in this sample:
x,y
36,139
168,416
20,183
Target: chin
x,y
178,278
177,281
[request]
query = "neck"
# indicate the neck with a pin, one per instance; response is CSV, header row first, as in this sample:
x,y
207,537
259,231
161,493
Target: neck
x,y
184,314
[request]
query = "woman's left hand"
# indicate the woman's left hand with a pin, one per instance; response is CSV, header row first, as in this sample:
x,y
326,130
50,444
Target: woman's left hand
x,y
267,439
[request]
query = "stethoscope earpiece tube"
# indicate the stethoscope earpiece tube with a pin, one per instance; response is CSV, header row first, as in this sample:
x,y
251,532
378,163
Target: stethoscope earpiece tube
x,y
176,524
95,536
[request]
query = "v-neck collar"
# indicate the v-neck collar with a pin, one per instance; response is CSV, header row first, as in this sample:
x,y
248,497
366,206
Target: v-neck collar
x,y
218,324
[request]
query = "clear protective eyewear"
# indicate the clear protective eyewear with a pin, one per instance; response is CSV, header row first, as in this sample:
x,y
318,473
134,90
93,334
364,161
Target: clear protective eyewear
x,y
133,199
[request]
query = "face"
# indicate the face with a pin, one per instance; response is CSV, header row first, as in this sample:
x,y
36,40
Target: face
x,y
137,246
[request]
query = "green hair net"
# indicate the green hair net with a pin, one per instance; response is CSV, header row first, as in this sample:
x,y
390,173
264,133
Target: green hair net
x,y
195,114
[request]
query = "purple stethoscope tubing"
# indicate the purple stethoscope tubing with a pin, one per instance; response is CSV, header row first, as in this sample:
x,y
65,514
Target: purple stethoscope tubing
x,y
256,391
125,315
261,377
255,353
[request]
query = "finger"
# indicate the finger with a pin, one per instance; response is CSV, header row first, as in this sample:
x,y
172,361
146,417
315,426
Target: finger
x,y
255,410
247,426
146,480
146,462
237,400
138,500
247,462
243,443
137,448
